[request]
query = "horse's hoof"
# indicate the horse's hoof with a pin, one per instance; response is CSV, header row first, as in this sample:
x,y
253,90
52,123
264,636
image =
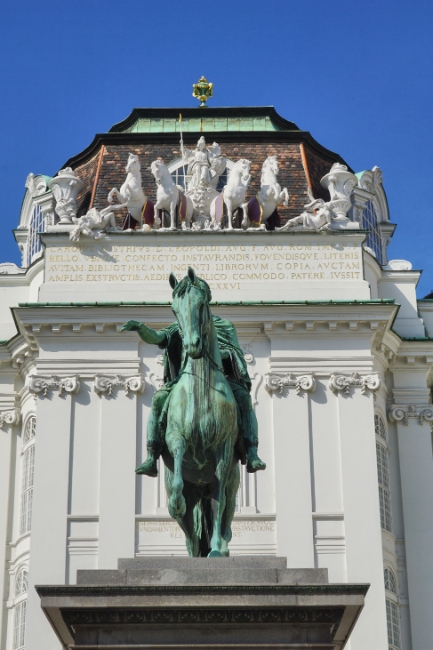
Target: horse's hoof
x,y
215,554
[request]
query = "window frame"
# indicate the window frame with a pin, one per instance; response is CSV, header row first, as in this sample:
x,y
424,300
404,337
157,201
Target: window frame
x,y
19,609
393,613
37,224
374,237
28,453
382,465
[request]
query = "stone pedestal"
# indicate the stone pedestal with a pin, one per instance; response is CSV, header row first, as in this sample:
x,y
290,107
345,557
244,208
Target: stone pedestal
x,y
178,602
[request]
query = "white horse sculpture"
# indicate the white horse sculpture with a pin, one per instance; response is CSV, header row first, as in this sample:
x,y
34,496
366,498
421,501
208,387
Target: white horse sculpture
x,y
168,194
131,193
95,222
271,194
233,194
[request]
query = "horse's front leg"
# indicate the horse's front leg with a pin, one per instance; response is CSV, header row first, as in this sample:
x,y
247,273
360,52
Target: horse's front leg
x,y
245,221
232,488
223,466
284,197
159,210
114,192
173,206
229,207
176,503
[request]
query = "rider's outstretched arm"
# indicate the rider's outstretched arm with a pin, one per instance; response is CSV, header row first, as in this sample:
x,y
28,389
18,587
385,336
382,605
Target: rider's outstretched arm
x,y
145,333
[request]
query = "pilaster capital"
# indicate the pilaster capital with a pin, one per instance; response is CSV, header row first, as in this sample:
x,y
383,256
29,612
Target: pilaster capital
x,y
42,385
9,418
345,383
107,384
402,413
302,383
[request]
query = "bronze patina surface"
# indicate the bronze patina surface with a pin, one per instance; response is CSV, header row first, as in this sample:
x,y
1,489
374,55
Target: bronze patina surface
x,y
201,421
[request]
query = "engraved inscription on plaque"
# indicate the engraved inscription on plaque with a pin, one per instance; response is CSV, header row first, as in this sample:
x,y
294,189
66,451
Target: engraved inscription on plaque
x,y
226,265
161,537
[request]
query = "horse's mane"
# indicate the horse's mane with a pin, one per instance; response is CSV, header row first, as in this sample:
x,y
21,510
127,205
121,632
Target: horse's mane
x,y
185,285
236,166
265,166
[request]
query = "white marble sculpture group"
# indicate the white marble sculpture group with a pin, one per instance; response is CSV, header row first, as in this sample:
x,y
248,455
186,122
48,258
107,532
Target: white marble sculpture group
x,y
200,206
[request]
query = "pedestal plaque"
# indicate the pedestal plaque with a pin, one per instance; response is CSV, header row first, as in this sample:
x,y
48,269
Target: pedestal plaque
x,y
203,603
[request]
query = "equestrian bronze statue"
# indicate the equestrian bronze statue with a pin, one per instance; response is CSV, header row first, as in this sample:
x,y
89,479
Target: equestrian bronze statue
x,y
201,421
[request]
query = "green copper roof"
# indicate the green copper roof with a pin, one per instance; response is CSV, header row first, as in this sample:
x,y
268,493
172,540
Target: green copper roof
x,y
207,124
166,120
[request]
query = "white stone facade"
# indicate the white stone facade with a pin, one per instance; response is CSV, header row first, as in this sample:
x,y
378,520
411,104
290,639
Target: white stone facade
x,y
340,357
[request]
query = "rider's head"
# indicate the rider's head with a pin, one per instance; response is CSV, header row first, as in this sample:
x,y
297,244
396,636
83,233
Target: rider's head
x,y
201,144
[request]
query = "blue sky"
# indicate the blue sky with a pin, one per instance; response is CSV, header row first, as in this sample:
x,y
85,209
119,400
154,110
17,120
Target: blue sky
x,y
358,76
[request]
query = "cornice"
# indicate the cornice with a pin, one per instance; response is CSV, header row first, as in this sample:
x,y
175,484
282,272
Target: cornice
x,y
23,279
188,590
282,320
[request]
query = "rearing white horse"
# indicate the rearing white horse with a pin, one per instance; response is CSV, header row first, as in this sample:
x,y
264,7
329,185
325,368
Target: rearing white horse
x,y
168,195
233,194
131,191
270,194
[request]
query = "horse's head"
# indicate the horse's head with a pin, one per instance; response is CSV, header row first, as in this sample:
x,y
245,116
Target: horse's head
x,y
270,165
157,169
241,168
133,163
191,297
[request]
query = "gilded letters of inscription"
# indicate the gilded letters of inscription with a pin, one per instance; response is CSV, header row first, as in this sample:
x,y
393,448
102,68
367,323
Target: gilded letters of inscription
x,y
224,267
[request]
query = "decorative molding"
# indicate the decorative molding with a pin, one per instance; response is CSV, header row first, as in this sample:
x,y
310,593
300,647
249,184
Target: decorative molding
x,y
302,383
256,381
404,413
205,616
41,384
107,384
248,354
344,383
9,418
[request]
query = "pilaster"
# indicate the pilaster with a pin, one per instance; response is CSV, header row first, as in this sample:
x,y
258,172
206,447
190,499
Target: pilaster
x,y
416,471
50,507
361,512
7,406
117,478
293,468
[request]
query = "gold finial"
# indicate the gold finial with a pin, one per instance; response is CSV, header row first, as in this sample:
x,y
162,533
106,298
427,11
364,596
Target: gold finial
x,y
202,90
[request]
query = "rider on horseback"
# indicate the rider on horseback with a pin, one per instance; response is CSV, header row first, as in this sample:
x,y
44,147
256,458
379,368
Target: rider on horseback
x,y
235,369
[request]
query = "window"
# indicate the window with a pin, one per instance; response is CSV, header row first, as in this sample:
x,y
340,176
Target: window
x,y
379,427
27,476
392,610
390,581
180,176
369,222
21,583
29,430
37,225
20,609
383,474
